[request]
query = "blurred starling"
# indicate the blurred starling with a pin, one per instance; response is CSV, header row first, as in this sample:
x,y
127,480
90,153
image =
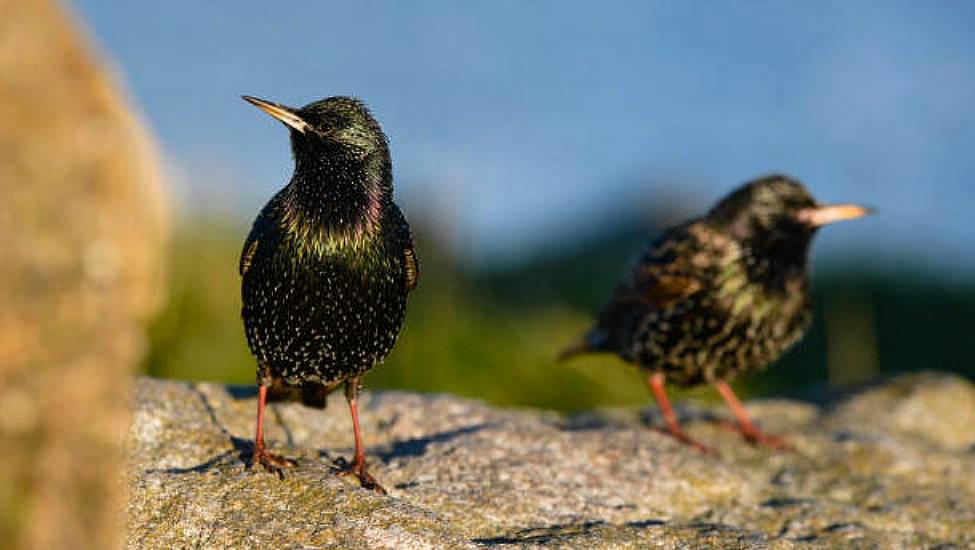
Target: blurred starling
x,y
718,296
326,267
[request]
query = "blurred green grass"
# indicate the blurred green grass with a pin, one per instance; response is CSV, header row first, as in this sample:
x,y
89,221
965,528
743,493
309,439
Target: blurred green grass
x,y
453,341
493,334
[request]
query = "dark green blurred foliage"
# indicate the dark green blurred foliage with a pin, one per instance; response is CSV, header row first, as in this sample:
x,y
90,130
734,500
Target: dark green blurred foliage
x,y
199,335
494,333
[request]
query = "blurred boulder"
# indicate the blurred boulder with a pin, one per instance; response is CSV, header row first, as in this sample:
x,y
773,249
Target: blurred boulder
x,y
462,474
81,219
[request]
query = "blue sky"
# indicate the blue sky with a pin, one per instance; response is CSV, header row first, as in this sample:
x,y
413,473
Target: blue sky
x,y
516,124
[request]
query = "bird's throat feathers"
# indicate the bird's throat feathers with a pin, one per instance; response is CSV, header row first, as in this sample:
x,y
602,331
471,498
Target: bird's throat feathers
x,y
326,218
776,263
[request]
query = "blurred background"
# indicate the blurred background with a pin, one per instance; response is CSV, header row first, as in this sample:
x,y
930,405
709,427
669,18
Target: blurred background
x,y
538,146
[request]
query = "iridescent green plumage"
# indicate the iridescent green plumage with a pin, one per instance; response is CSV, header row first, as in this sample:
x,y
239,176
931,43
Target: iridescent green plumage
x,y
328,263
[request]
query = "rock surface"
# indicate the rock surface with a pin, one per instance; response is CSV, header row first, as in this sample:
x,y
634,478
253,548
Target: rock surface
x,y
890,467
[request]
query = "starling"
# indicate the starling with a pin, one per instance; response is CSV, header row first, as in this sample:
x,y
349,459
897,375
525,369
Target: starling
x,y
718,296
326,268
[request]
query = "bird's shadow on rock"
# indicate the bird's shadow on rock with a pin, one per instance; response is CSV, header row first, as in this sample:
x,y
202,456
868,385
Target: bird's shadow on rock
x,y
243,449
242,452
586,421
557,533
418,446
649,417
238,393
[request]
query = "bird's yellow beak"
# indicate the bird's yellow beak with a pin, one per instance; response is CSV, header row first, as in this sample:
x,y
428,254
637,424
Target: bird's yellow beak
x,y
280,112
830,213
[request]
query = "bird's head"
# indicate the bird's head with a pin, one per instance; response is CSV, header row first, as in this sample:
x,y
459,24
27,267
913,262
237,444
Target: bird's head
x,y
778,208
775,217
339,128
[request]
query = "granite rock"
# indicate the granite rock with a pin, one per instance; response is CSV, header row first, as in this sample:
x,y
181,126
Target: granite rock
x,y
892,466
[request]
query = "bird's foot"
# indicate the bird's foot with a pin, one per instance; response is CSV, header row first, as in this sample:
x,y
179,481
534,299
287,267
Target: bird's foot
x,y
343,468
754,436
681,436
757,437
693,443
271,462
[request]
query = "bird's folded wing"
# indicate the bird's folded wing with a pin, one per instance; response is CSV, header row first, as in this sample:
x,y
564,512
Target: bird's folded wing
x,y
663,291
663,276
250,248
412,268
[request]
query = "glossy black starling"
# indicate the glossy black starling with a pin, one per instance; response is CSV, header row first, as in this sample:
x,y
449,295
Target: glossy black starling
x,y
718,296
326,267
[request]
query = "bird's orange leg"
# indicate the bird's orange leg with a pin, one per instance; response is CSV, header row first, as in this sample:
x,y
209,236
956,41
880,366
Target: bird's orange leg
x,y
262,456
657,383
358,466
748,429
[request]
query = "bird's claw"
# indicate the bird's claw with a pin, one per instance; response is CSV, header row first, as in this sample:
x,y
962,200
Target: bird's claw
x,y
679,435
343,468
757,437
693,443
271,462
754,436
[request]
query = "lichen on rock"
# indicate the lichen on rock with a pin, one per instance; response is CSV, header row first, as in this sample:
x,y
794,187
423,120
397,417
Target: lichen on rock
x,y
867,472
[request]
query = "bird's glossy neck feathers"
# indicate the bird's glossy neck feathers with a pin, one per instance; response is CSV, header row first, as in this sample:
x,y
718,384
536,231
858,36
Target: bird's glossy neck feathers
x,y
336,200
